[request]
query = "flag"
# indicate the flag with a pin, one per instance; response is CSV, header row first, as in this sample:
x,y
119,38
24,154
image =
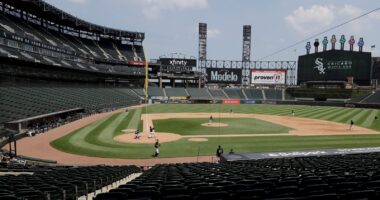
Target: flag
x,y
373,47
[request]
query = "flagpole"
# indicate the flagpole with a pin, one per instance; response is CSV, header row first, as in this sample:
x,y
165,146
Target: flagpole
x,y
146,76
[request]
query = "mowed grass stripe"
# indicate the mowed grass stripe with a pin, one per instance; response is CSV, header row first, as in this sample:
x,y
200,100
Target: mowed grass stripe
x,y
333,116
78,139
307,113
350,117
361,117
135,120
350,112
326,112
106,135
124,124
371,119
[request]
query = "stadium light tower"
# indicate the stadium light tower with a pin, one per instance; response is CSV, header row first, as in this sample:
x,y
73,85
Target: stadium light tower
x,y
246,43
202,45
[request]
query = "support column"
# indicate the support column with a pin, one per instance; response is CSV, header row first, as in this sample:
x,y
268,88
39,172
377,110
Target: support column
x,y
160,81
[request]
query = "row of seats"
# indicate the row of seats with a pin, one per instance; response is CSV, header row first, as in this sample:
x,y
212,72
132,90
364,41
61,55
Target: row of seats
x,y
78,64
19,102
306,178
374,98
221,94
62,183
102,49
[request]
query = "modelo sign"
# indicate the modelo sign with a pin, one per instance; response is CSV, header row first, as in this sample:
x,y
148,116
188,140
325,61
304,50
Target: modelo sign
x,y
268,77
229,76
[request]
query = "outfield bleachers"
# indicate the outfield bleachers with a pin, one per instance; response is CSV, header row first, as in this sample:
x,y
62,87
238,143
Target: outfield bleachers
x,y
337,177
234,93
199,93
255,94
218,94
374,98
19,102
273,94
176,92
155,92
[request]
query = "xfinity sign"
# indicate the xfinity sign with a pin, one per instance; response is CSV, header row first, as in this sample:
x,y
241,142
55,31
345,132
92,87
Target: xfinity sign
x,y
176,62
228,76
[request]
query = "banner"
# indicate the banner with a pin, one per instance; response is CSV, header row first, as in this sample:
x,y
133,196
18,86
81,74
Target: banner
x,y
228,76
268,77
177,98
247,102
177,62
231,101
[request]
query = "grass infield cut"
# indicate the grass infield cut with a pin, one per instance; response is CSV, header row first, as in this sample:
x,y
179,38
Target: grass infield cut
x,y
192,126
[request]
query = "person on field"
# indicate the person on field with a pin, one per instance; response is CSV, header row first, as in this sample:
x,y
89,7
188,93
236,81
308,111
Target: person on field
x,y
293,113
219,152
231,151
137,134
156,148
153,132
210,120
150,132
351,125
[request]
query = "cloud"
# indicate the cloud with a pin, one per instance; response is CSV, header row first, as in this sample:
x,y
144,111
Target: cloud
x,y
213,33
153,8
350,10
79,1
306,21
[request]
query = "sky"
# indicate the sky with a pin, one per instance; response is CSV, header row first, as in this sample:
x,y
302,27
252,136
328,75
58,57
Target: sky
x,y
171,26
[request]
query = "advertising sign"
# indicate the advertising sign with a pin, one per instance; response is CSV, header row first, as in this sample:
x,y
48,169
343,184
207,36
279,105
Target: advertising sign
x,y
268,77
228,76
231,101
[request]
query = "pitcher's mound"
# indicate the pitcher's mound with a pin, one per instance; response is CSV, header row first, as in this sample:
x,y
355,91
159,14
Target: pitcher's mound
x,y
214,124
144,139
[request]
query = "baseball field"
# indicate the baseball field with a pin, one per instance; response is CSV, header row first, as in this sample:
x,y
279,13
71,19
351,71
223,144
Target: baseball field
x,y
184,130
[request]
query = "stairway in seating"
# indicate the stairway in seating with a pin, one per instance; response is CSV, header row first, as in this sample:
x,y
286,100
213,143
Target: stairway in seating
x,y
225,94
245,95
264,96
119,54
105,54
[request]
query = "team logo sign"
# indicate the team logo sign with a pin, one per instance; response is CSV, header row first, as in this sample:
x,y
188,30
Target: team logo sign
x,y
319,65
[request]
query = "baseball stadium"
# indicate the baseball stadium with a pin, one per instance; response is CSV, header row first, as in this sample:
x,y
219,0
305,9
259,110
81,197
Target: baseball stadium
x,y
85,114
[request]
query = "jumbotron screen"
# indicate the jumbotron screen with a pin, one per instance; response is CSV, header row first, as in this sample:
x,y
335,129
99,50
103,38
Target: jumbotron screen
x,y
335,65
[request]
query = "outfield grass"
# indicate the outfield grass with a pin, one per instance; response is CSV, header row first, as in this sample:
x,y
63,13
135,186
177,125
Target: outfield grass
x,y
96,139
192,126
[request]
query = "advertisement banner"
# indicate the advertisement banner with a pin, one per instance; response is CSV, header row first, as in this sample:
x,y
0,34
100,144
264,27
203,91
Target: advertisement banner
x,y
247,102
228,76
177,62
177,98
231,101
336,65
268,77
